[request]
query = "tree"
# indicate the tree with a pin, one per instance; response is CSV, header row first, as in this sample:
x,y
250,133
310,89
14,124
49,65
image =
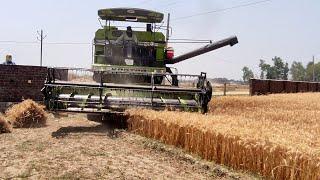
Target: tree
x,y
286,71
247,74
297,71
279,69
271,73
309,71
264,68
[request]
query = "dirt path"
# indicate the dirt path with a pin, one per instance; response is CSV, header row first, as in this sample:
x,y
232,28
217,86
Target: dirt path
x,y
75,148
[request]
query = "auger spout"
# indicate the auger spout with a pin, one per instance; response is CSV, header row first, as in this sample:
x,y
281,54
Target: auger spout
x,y
210,47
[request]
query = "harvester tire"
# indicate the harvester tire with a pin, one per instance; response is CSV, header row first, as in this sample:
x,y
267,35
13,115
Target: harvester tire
x,y
207,97
95,117
209,90
204,109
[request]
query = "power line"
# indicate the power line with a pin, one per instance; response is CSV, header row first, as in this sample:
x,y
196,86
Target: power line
x,y
48,43
188,42
168,4
191,39
221,10
180,41
68,43
75,43
18,42
142,2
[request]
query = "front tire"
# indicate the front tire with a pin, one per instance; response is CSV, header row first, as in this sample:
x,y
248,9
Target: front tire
x,y
95,117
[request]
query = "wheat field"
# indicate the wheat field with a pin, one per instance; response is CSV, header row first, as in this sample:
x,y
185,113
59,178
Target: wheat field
x,y
275,136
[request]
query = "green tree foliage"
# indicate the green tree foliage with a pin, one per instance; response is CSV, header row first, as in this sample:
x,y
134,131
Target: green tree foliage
x,y
298,72
247,74
264,68
279,69
309,71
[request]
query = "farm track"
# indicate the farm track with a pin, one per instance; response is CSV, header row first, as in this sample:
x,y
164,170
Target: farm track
x,y
71,147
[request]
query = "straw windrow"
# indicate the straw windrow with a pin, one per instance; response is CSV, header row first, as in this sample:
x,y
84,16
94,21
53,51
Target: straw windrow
x,y
5,126
27,114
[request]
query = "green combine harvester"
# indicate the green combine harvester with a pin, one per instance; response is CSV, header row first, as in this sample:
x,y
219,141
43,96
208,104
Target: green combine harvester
x,y
130,70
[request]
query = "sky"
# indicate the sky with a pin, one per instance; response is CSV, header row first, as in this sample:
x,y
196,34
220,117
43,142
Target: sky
x,y
289,29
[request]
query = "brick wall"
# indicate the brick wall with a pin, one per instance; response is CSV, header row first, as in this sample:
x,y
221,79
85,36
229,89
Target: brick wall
x,y
18,82
259,86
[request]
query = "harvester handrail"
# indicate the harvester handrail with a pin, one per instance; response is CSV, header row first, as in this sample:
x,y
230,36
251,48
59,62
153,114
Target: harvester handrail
x,y
125,73
155,88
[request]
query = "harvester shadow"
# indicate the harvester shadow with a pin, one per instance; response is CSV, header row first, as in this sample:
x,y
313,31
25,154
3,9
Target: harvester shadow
x,y
59,115
112,127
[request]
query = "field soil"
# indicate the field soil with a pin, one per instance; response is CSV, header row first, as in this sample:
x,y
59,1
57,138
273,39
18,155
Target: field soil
x,y
71,147
231,89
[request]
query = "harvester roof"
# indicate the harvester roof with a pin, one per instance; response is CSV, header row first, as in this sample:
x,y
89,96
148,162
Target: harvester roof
x,y
130,14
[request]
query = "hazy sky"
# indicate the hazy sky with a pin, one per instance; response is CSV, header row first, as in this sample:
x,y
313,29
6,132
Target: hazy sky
x,y
286,28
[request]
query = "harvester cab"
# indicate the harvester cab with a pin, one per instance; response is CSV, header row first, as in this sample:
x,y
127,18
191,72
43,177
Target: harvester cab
x,y
131,49
130,70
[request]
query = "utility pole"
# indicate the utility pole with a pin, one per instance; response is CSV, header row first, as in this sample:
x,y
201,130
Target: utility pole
x,y
168,29
224,89
41,38
313,74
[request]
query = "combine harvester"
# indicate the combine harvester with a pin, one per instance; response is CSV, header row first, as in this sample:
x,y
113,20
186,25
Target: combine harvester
x,y
130,70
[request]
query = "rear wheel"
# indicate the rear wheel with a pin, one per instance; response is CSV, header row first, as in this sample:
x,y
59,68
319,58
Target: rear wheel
x,y
115,120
